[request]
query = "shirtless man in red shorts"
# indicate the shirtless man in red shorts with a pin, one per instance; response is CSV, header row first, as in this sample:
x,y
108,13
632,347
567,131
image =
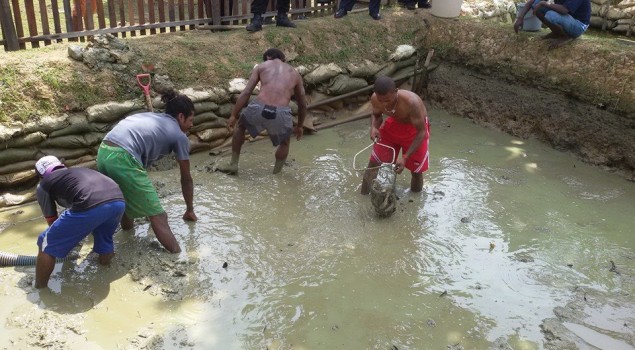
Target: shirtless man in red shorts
x,y
406,129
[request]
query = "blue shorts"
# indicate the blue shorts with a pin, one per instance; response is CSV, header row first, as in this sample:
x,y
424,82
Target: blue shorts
x,y
570,25
72,227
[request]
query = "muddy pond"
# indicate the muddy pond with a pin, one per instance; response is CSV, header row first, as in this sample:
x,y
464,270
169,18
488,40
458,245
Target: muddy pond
x,y
511,245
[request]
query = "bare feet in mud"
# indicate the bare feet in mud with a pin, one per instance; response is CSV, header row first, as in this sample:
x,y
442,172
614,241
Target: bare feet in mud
x,y
556,43
551,35
104,259
229,169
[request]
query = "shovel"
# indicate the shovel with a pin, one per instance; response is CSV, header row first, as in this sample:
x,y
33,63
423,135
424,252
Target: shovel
x,y
141,78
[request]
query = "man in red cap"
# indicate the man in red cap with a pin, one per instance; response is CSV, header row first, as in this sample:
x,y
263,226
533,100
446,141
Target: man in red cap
x,y
94,204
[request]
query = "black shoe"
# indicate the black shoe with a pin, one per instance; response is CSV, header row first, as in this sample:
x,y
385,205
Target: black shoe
x,y
283,21
340,13
411,6
424,5
256,24
375,16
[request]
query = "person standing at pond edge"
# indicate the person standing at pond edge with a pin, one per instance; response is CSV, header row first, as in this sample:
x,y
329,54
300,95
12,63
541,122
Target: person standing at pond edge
x,y
567,19
259,7
94,204
269,110
133,145
406,129
347,5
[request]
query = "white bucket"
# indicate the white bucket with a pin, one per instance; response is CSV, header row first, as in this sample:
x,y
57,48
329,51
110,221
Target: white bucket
x,y
531,23
446,8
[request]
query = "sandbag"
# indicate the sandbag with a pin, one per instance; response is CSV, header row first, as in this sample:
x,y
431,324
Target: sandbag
x,y
15,179
196,95
207,106
323,73
18,166
225,110
213,134
625,4
111,111
365,70
7,133
342,84
204,117
15,155
64,153
73,141
214,124
25,141
76,161
80,125
46,124
9,199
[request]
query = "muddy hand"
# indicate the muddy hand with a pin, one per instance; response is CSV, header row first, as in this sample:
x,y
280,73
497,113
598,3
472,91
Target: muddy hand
x,y
230,123
399,166
189,216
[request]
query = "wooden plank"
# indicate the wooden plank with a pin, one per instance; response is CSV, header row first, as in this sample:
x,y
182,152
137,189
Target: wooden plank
x,y
171,16
77,20
162,13
122,16
17,20
56,17
215,11
84,33
112,14
151,18
45,21
8,27
141,12
68,19
101,17
181,12
131,16
201,8
30,17
190,11
88,14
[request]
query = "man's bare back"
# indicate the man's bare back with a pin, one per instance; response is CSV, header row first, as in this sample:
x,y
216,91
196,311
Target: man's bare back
x,y
278,81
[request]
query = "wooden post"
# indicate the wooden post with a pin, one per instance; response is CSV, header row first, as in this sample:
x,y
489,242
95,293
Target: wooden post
x,y
215,11
17,15
8,28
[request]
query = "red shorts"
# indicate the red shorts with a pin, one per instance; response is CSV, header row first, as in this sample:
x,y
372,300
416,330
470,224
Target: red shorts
x,y
399,136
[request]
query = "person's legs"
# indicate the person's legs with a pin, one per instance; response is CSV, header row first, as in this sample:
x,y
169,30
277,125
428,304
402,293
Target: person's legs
x,y
258,7
369,175
112,213
416,182
282,19
345,6
161,228
126,222
373,9
570,28
281,155
44,266
238,139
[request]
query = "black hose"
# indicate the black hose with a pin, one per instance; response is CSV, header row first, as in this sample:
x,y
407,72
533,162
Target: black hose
x,y
7,259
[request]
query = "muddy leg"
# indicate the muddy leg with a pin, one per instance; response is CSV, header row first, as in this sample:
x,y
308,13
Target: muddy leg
x,y
126,222
369,176
44,266
104,259
237,143
416,182
163,232
281,155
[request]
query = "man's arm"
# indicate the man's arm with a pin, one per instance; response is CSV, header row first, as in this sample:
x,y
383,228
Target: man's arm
x,y
187,187
300,98
555,7
375,117
418,116
521,16
47,205
243,98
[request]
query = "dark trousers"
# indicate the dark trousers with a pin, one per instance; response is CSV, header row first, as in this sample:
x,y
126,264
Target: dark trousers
x,y
259,7
373,5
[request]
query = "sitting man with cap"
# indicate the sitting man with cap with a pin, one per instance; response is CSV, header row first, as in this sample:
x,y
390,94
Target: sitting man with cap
x,y
94,204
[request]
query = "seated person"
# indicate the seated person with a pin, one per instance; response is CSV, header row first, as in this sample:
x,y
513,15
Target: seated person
x,y
567,19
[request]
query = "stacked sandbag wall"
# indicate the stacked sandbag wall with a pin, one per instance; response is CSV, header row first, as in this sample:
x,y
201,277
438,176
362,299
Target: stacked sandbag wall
x,y
75,138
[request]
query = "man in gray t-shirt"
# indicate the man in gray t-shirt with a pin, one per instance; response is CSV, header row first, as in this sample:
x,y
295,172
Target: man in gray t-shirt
x,y
133,145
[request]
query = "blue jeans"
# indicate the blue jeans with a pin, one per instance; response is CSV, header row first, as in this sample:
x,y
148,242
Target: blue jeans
x,y
570,25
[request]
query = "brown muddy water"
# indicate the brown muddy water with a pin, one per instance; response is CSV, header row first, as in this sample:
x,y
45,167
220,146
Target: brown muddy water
x,y
507,234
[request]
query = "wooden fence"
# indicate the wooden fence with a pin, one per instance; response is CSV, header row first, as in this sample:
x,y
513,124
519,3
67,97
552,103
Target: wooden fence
x,y
56,20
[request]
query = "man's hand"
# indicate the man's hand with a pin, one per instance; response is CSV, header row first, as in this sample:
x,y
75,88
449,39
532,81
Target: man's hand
x,y
231,122
298,131
400,165
518,24
189,216
374,134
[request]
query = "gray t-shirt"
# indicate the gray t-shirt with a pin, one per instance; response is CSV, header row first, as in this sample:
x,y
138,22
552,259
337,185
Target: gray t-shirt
x,y
77,189
149,136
